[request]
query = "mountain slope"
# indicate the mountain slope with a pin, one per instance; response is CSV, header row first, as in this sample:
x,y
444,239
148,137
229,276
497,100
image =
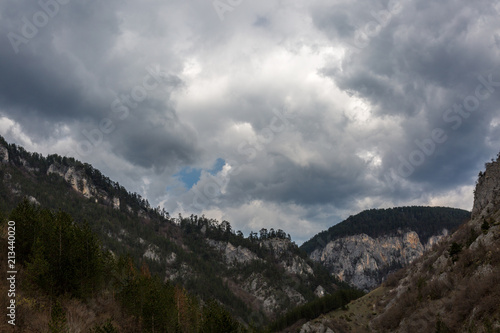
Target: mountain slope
x,y
256,278
365,248
453,288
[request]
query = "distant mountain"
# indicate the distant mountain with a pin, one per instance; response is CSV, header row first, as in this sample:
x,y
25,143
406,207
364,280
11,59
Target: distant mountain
x,y
256,277
365,248
455,287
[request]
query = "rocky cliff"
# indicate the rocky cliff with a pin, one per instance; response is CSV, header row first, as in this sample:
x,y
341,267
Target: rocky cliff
x,y
81,183
233,254
364,261
4,154
365,248
262,291
487,192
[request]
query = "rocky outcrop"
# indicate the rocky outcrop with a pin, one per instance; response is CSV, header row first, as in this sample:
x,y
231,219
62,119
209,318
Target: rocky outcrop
x,y
78,182
232,254
4,154
281,250
279,246
241,255
273,299
27,166
33,200
257,286
81,184
459,281
315,327
296,265
487,193
320,291
364,261
183,273
116,203
152,253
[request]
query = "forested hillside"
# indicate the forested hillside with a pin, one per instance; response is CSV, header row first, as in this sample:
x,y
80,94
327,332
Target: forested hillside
x,y
195,266
425,221
256,277
67,282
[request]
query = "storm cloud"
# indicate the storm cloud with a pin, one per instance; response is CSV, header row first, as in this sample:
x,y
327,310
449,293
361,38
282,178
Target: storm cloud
x,y
317,109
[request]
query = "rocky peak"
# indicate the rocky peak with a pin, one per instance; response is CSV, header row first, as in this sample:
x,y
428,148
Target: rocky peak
x,y
487,193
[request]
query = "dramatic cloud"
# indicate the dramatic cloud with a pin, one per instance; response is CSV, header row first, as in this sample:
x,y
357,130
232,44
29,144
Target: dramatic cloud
x,y
290,115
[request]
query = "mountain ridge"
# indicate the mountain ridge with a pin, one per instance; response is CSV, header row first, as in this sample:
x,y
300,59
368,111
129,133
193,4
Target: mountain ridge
x,y
398,218
453,288
365,248
188,250
257,278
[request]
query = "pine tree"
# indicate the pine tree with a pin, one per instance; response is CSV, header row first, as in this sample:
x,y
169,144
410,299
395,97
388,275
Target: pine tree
x,y
38,268
57,322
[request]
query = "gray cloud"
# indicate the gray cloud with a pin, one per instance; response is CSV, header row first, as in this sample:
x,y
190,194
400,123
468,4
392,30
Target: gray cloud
x,y
320,109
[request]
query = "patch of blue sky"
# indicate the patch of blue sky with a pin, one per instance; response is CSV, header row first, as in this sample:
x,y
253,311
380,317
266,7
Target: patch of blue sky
x,y
190,176
219,164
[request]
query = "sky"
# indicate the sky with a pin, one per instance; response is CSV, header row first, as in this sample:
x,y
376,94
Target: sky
x,y
290,114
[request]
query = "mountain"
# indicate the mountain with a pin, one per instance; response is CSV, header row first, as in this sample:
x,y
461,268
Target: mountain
x,y
453,288
257,277
365,248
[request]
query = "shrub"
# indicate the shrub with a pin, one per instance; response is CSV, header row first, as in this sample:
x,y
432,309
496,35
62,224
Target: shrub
x,y
485,226
454,250
393,279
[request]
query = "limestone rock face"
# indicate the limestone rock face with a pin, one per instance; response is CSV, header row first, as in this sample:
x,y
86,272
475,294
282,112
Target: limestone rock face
x,y
80,183
476,265
292,264
75,178
116,203
279,246
487,193
273,298
364,261
152,252
232,254
4,154
296,265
